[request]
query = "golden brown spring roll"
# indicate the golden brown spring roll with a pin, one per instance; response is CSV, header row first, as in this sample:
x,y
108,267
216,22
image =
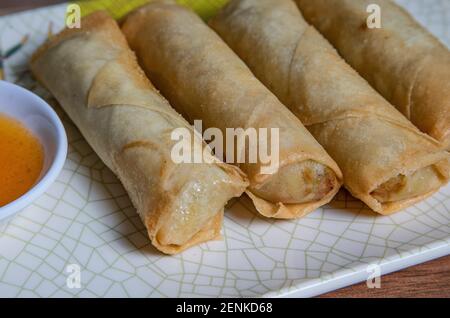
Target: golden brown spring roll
x,y
386,161
94,75
205,80
402,60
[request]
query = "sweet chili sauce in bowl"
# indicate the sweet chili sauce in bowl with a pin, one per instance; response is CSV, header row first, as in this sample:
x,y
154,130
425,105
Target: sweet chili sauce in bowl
x,y
21,159
33,148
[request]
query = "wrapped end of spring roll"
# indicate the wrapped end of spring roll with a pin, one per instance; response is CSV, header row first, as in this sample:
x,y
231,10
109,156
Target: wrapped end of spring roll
x,y
95,77
204,80
386,161
295,190
414,184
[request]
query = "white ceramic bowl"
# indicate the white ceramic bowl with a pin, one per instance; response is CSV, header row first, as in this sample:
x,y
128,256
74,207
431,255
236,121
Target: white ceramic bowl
x,y
42,121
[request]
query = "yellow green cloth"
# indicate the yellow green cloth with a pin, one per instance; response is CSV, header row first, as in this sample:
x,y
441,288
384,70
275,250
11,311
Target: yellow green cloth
x,y
119,8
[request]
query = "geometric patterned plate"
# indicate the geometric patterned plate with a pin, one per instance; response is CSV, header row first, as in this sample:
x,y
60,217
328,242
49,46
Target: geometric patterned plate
x,y
85,227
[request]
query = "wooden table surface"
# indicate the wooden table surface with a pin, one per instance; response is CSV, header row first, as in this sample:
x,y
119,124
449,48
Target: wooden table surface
x,y
431,279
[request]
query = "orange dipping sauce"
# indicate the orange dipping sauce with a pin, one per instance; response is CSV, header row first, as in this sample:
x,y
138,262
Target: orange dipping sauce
x,y
21,159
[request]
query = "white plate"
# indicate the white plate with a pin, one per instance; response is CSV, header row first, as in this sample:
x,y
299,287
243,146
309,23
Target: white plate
x,y
86,219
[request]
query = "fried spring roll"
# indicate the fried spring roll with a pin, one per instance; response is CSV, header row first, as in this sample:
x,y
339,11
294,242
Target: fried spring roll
x,y
401,60
204,79
94,75
386,161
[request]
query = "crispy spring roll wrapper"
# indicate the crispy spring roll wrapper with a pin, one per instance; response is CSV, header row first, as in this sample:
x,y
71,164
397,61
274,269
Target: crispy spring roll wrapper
x,y
402,60
204,79
95,76
386,161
